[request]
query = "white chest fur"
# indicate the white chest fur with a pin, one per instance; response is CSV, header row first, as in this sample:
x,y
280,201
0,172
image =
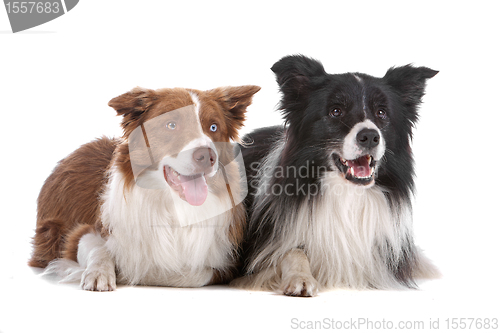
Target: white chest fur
x,y
154,243
347,234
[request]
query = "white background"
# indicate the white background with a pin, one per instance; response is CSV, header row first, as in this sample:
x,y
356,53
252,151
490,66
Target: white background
x,y
56,80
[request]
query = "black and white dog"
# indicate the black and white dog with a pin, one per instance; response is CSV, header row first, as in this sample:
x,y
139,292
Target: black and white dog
x,y
330,200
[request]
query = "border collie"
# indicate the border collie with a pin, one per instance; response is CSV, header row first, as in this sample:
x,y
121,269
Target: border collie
x,y
160,206
330,192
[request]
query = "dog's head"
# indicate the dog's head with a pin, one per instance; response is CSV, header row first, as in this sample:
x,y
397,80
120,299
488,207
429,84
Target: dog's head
x,y
350,122
172,136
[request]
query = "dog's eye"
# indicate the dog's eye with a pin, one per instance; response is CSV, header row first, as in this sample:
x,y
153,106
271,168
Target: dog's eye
x,y
213,127
337,112
381,114
172,125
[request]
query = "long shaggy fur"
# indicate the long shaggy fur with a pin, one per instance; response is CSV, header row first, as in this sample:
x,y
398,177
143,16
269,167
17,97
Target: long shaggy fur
x,y
98,225
351,235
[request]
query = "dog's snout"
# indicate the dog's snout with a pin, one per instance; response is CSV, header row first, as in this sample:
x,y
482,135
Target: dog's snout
x,y
204,157
368,138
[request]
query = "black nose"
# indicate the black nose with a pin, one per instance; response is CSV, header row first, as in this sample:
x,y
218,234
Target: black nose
x,y
368,138
204,157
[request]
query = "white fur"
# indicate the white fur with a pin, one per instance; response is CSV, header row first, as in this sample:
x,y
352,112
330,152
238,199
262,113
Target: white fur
x,y
149,243
67,270
182,160
343,233
266,170
351,223
197,103
155,238
99,274
350,147
296,277
340,235
94,270
360,80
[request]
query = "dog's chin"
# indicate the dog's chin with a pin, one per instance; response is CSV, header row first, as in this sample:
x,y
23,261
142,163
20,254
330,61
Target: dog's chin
x,y
360,171
191,188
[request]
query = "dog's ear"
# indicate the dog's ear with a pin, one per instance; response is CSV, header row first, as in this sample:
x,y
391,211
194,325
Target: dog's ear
x,y
132,105
296,74
409,82
134,102
234,101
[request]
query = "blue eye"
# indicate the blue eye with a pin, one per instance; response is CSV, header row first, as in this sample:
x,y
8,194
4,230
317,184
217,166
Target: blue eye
x,y
213,127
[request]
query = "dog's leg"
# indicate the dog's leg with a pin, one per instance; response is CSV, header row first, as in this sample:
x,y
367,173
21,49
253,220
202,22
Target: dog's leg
x,y
296,277
99,274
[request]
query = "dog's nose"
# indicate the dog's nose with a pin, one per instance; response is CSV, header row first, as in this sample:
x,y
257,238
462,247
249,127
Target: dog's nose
x,y
368,138
204,157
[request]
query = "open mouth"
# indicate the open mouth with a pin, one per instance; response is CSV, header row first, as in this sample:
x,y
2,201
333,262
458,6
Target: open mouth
x,y
192,188
360,171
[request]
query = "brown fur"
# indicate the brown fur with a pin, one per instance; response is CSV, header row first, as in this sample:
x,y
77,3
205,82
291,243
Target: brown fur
x,y
71,248
48,242
228,103
140,105
70,197
69,201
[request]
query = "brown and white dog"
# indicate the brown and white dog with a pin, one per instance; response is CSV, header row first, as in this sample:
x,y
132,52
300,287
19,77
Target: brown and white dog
x,y
160,206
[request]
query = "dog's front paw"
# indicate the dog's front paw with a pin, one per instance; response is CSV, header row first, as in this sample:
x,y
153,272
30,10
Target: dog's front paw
x,y
300,285
98,280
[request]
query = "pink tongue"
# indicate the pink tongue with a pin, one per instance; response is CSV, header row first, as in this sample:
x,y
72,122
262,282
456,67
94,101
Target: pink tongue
x,y
361,167
195,189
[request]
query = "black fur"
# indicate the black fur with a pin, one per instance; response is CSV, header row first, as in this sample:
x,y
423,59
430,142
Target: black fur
x,y
309,95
